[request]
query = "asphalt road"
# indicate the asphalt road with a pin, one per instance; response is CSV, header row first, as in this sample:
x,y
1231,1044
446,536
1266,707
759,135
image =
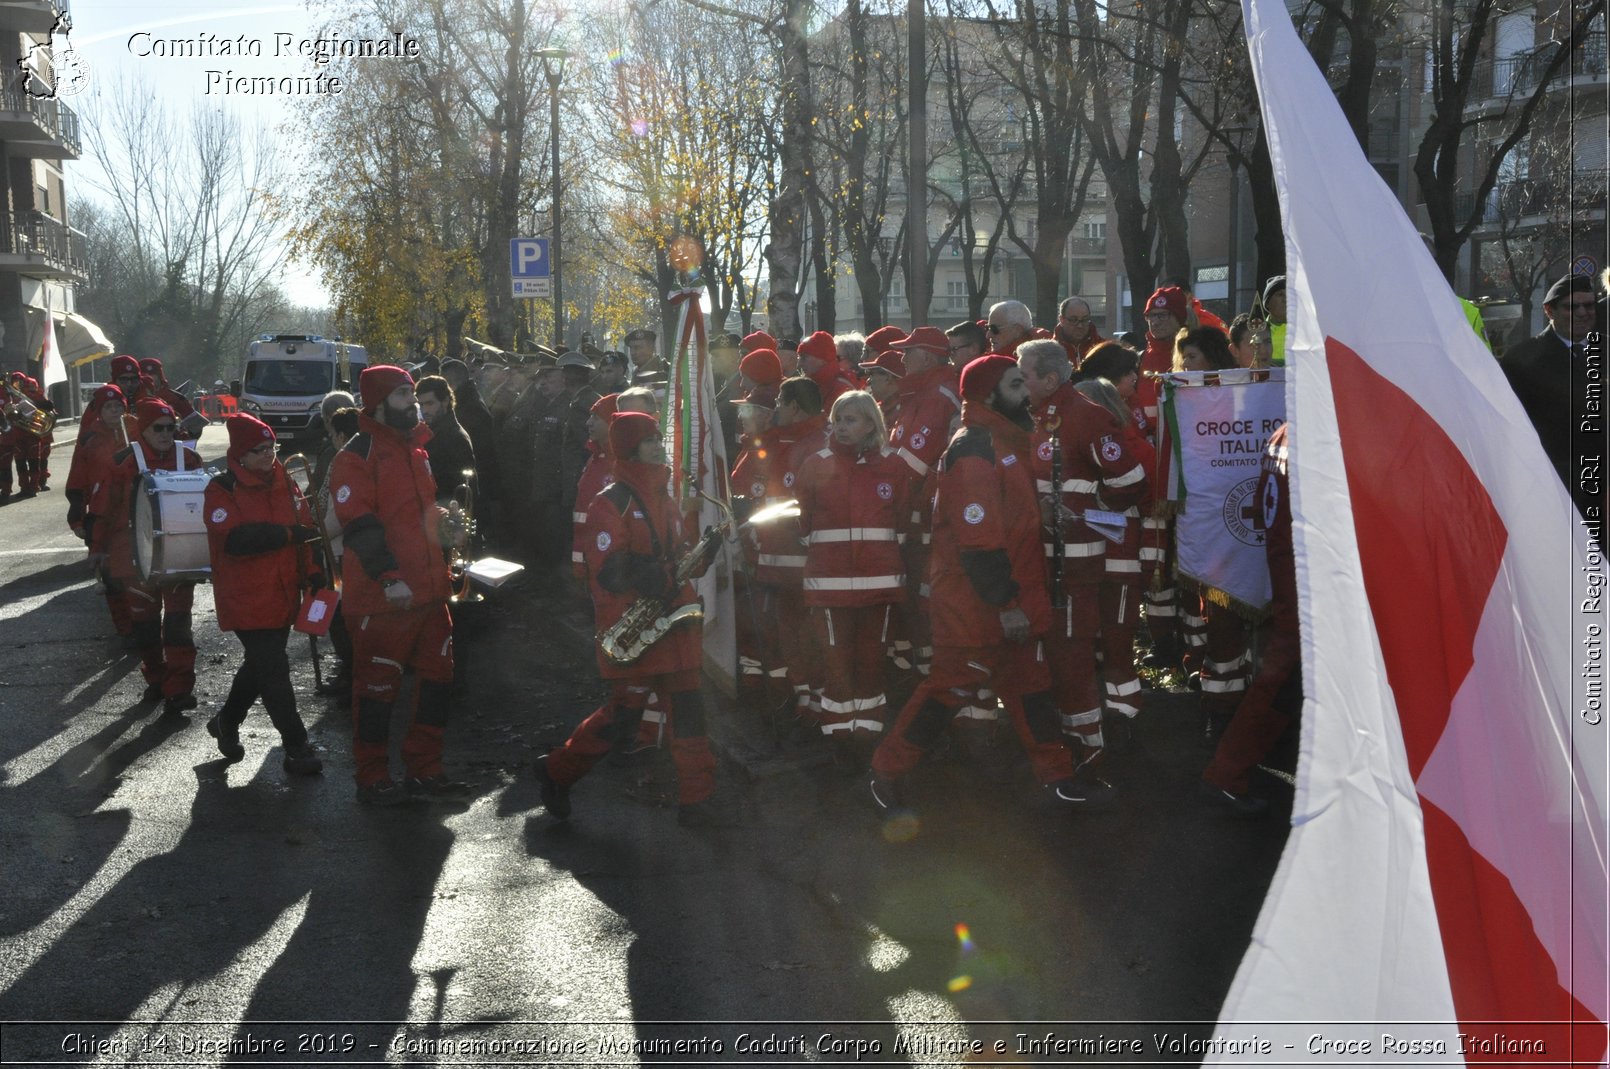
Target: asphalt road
x,y
153,898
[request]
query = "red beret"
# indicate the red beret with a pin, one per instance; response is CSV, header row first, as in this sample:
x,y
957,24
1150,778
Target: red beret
x,y
376,384
1168,299
628,430
150,410
150,365
246,433
105,395
981,376
604,407
820,345
758,340
124,365
761,367
883,339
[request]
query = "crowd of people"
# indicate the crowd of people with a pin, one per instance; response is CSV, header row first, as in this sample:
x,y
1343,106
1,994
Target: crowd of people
x,y
936,530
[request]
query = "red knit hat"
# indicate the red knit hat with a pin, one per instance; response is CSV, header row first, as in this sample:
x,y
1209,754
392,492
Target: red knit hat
x,y
761,367
883,339
981,376
246,433
150,365
820,345
604,407
758,340
124,365
1169,299
628,430
149,410
376,384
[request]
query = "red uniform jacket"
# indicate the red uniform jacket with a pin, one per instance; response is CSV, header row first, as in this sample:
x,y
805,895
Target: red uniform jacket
x,y
1097,472
1123,560
928,403
258,570
1077,352
92,463
596,477
385,500
781,558
751,481
852,514
111,507
635,538
834,383
986,548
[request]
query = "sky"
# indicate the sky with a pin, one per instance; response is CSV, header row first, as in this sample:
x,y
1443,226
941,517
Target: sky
x,y
113,37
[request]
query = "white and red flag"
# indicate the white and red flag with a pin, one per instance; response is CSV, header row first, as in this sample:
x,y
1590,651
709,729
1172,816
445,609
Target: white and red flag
x,y
51,367
1445,877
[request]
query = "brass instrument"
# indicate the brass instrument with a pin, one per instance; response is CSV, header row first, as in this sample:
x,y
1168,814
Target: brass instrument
x,y
646,620
461,522
22,414
299,473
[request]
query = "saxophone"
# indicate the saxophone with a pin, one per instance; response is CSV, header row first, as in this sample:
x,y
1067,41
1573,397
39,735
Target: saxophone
x,y
646,621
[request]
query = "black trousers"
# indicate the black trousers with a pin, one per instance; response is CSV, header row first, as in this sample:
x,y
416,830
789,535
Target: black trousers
x,y
266,674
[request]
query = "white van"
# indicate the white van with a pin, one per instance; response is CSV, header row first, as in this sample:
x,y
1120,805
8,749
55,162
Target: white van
x,y
286,376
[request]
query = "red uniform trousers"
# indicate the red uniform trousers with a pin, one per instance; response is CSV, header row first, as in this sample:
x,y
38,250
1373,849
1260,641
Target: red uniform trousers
x,y
1225,659
799,649
619,720
1018,673
159,619
1120,618
1258,722
1070,647
383,646
854,640
32,456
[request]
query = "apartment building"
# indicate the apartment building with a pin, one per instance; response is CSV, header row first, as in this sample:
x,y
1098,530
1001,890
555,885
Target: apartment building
x,y
42,258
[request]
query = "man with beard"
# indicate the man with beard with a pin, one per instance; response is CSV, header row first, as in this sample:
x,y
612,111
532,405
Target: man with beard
x,y
394,588
449,448
989,597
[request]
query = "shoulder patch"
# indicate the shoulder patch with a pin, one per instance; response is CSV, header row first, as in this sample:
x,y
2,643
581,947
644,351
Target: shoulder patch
x,y
219,515
1110,449
603,541
343,493
973,513
886,491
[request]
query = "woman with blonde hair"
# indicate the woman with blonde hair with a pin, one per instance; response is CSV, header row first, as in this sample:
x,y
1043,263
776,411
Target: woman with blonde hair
x,y
853,517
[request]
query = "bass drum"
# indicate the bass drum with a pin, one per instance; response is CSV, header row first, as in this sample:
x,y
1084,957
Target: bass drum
x,y
170,529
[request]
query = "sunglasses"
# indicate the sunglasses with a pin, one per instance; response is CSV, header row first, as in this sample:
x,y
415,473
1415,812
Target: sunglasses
x,y
164,428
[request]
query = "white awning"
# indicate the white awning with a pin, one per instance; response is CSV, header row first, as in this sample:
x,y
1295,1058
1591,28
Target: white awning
x,y
80,340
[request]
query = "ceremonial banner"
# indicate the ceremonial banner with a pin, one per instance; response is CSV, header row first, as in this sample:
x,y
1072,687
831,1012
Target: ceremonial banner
x,y
1444,882
51,368
1218,423
697,456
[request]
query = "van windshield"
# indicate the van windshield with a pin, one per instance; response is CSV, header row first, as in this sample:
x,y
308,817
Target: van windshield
x,y
289,378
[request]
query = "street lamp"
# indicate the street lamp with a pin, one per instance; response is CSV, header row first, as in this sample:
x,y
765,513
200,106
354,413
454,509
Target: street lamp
x,y
553,68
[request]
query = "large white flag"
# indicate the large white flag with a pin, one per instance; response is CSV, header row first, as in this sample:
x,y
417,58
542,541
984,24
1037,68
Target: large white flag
x,y
1445,877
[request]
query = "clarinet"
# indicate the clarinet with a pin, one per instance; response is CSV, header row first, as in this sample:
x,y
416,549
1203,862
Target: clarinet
x,y
1058,595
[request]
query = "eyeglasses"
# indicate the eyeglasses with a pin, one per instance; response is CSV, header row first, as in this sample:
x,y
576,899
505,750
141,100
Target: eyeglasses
x,y
164,428
1076,320
266,447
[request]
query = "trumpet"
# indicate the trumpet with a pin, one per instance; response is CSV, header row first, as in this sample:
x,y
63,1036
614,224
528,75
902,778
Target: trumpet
x,y
646,620
22,414
460,527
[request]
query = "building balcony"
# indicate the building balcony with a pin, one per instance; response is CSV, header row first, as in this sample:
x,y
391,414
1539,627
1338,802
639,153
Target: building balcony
x,y
31,16
35,244
1525,199
1503,79
37,128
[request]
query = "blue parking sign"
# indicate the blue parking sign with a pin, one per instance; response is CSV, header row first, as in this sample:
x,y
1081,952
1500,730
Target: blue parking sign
x,y
529,267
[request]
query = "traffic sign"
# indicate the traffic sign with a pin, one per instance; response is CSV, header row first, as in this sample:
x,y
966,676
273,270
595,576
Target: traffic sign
x,y
529,267
1584,265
